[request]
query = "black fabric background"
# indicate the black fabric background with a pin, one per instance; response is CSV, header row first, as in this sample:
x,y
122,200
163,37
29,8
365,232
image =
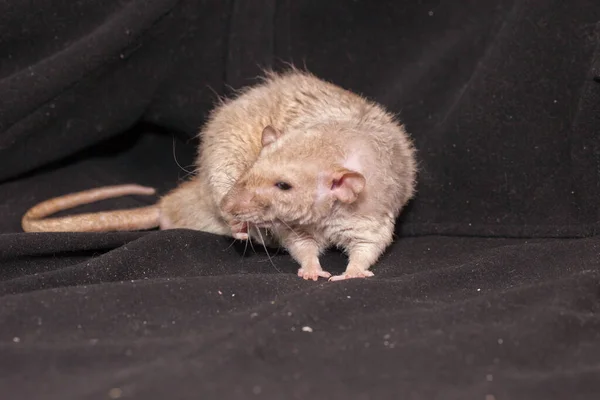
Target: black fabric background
x,y
491,289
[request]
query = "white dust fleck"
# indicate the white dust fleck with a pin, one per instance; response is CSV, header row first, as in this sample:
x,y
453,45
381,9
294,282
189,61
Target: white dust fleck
x,y
115,393
17,339
489,377
500,341
307,329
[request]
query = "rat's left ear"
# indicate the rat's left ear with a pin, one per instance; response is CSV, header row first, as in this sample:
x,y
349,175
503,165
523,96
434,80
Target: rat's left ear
x,y
270,135
346,185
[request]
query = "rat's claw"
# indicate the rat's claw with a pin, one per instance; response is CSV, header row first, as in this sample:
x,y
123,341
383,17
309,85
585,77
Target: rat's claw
x,y
351,275
312,273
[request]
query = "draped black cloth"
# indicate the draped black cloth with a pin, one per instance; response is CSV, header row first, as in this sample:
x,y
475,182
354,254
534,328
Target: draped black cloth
x,y
490,291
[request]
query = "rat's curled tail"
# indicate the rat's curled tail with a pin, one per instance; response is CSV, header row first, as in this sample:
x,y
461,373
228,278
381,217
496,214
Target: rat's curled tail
x,y
119,220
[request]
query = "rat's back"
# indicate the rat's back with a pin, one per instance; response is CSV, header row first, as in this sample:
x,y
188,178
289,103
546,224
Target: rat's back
x,y
231,138
294,101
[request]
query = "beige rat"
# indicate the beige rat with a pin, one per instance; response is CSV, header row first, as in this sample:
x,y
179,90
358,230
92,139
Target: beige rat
x,y
312,164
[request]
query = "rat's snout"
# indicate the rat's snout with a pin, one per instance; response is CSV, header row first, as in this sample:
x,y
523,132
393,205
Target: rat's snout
x,y
238,202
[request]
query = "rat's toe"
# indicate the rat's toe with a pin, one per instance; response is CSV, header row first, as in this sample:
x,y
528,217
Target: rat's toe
x,y
313,273
352,275
240,236
239,230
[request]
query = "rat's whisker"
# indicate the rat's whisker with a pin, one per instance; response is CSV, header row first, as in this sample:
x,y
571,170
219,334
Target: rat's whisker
x,y
184,177
267,251
232,243
289,227
246,245
278,249
177,162
249,230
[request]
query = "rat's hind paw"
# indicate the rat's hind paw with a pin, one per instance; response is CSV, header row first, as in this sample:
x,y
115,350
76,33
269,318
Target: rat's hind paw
x,y
351,275
313,273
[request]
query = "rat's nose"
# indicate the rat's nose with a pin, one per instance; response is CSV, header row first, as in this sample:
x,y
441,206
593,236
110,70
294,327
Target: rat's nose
x,y
237,203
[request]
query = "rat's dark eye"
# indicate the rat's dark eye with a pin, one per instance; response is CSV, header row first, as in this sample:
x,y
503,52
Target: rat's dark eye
x,y
283,185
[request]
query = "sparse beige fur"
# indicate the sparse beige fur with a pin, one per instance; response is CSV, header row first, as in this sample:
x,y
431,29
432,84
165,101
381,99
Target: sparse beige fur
x,y
348,168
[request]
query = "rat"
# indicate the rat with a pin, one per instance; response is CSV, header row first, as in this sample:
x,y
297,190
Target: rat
x,y
293,161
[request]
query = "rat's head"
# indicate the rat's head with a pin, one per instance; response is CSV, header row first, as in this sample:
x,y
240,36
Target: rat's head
x,y
296,179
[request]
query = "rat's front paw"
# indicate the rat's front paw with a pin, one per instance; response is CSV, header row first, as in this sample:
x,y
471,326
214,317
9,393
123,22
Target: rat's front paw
x,y
240,236
313,273
239,230
352,274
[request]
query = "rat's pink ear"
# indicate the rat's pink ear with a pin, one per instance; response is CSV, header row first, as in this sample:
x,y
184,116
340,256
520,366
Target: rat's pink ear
x,y
347,185
269,135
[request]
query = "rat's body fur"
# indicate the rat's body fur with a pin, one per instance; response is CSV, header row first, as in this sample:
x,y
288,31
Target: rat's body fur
x,y
352,168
